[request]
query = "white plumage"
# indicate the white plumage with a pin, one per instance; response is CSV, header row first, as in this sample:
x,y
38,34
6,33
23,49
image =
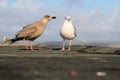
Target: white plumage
x,y
68,32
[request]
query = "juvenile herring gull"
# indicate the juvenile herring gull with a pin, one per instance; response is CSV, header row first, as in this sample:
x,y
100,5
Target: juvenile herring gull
x,y
32,31
68,32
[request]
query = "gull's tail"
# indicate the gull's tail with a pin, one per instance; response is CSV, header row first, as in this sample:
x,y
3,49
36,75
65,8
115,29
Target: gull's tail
x,y
6,39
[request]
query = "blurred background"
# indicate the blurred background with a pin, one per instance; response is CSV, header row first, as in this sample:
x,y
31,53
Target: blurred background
x,y
95,20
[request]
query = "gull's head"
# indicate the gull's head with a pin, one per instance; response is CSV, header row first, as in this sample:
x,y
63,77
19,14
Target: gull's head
x,y
48,17
68,18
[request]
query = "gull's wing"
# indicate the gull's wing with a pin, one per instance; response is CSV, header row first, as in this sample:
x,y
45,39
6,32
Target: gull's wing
x,y
75,31
26,31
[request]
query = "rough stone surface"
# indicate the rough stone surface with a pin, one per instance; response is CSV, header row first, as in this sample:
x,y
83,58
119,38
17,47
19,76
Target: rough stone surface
x,y
50,63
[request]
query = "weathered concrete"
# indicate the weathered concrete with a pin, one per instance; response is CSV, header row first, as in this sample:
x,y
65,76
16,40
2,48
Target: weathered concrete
x,y
50,63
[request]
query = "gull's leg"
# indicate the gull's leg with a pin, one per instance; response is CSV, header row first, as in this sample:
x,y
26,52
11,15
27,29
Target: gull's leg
x,y
32,45
69,48
26,44
63,47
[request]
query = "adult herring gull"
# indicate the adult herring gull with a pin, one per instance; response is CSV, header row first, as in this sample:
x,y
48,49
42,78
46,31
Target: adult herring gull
x,y
68,32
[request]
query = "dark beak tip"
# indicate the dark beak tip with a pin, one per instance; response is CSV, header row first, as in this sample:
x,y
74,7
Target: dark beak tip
x,y
53,17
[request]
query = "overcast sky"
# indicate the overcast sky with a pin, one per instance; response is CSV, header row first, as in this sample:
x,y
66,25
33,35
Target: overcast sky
x,y
94,19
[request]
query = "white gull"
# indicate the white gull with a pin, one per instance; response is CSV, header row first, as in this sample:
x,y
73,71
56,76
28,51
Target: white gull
x,y
68,32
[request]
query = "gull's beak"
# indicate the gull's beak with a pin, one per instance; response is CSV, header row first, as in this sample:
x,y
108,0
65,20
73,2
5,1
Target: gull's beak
x,y
68,20
53,17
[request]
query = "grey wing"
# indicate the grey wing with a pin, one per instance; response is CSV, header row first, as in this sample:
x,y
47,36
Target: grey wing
x,y
26,31
75,31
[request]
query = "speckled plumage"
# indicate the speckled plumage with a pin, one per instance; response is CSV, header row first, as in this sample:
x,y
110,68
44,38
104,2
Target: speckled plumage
x,y
32,31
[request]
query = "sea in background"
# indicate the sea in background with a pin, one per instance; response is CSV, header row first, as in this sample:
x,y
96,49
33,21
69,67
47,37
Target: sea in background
x,y
89,43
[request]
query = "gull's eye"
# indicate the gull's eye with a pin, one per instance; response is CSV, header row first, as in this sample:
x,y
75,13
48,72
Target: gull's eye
x,y
47,16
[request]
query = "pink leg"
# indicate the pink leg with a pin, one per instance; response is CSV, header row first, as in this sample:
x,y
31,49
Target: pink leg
x,y
63,47
69,48
32,45
26,44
